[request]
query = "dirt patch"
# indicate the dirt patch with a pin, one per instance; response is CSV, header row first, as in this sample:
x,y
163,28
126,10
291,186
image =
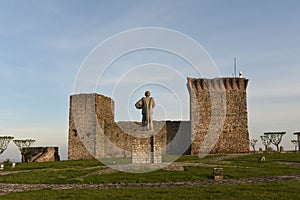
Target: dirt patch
x,y
289,163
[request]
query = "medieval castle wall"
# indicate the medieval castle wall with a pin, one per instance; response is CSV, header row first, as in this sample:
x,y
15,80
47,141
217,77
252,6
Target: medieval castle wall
x,y
218,112
94,133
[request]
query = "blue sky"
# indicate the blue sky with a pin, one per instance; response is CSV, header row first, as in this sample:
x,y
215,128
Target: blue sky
x,y
44,43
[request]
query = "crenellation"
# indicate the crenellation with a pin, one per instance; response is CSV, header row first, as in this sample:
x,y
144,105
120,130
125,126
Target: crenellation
x,y
218,84
198,85
221,84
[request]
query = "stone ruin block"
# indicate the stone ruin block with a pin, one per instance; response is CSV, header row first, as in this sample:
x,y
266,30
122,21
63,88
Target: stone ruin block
x,y
41,154
217,174
146,151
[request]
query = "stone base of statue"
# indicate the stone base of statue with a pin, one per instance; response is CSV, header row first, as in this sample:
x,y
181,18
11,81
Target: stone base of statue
x,y
146,150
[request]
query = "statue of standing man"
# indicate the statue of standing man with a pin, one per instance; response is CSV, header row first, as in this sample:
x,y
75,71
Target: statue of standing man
x,y
146,103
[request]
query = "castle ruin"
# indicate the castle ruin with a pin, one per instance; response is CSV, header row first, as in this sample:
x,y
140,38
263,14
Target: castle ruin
x,y
218,124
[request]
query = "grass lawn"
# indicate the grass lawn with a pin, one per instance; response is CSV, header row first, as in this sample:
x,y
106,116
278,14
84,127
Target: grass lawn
x,y
83,171
264,191
270,157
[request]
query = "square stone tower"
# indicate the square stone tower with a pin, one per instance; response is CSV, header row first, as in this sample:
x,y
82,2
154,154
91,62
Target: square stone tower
x,y
218,114
88,117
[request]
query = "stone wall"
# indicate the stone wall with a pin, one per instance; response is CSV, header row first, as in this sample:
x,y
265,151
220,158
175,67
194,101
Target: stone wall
x,y
173,136
146,150
219,118
93,133
218,113
88,116
41,154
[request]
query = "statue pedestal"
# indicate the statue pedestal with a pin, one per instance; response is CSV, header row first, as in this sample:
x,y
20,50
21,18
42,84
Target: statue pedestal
x,y
146,150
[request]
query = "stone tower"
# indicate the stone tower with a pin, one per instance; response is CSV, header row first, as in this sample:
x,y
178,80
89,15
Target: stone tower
x,y
218,114
88,117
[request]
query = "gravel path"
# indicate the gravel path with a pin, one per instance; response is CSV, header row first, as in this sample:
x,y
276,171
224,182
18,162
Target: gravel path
x,y
7,188
220,158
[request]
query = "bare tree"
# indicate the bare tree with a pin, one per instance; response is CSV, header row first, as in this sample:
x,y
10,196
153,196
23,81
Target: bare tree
x,y
275,138
253,143
265,141
295,142
4,141
23,146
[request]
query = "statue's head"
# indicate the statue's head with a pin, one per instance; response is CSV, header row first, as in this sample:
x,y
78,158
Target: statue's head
x,y
147,93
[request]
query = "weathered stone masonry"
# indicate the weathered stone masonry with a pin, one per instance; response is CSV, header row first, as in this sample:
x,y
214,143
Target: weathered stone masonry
x,y
213,101
94,133
41,154
88,117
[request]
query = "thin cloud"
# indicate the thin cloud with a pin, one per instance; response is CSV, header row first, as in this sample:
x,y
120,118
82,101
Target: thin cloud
x,y
275,92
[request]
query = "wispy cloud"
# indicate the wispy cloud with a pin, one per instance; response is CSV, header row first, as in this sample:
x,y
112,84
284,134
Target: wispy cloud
x,y
276,91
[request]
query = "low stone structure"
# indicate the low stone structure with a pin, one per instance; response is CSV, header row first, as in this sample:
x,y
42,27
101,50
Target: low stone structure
x,y
41,154
298,139
218,123
217,174
146,150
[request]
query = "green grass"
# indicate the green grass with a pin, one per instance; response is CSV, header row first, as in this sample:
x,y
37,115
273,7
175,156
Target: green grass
x,y
115,161
193,159
270,157
47,176
248,166
251,160
262,191
84,171
80,176
76,164
190,174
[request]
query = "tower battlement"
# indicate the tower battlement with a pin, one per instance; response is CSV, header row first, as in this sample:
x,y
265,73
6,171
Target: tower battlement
x,y
218,84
